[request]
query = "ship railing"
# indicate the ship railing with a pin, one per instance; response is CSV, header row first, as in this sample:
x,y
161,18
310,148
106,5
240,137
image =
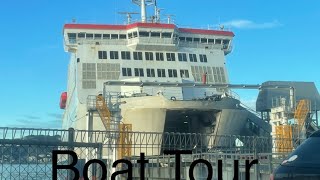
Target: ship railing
x,y
150,40
98,41
112,100
176,93
204,45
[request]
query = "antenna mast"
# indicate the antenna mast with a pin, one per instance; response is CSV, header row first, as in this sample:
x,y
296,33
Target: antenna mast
x,y
169,17
143,5
128,15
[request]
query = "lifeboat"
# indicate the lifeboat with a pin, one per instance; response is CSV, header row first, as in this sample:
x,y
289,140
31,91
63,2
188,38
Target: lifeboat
x,y
63,100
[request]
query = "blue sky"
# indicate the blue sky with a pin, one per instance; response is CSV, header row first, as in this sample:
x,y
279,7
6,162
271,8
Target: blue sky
x,y
275,40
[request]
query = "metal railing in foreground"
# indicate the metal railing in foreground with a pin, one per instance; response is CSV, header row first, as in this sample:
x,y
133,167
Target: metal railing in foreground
x,y
27,153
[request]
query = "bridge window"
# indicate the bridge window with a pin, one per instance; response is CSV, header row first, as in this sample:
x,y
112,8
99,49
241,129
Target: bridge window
x,y
166,35
135,34
172,73
126,72
196,40
203,58
184,73
89,36
81,35
218,41
211,41
137,55
138,72
125,55
193,57
188,39
122,36
171,57
182,38
150,73
182,56
155,34
106,36
159,56
226,42
72,37
130,35
204,40
114,36
161,72
149,56
114,55
102,54
144,34
97,36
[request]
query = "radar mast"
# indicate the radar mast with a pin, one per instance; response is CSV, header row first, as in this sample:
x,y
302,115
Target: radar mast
x,y
143,5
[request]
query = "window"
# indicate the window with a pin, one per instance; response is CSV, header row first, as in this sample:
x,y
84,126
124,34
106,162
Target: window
x,y
161,72
182,38
188,39
203,58
137,55
159,57
166,35
182,56
81,35
126,72
226,41
184,73
130,35
114,55
97,36
135,34
204,40
102,54
72,37
122,36
150,73
106,36
143,34
218,41
172,73
114,36
138,72
125,55
211,41
193,57
149,56
171,57
89,36
196,39
155,34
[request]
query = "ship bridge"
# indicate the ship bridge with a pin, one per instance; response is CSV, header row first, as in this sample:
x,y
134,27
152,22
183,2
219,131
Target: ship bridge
x,y
146,36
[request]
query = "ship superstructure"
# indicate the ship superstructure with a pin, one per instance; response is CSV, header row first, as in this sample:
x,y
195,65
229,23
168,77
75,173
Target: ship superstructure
x,y
170,59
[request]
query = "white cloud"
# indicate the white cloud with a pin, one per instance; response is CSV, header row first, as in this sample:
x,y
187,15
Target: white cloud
x,y
247,24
